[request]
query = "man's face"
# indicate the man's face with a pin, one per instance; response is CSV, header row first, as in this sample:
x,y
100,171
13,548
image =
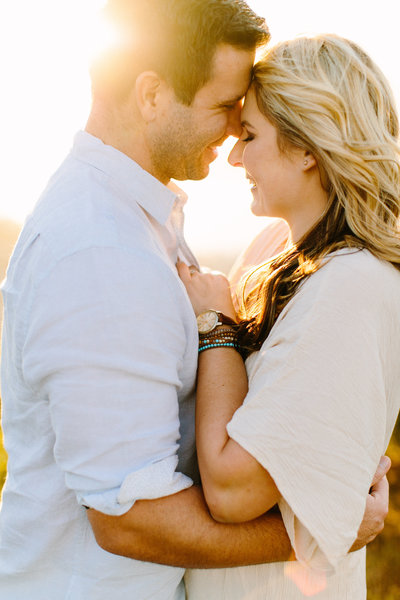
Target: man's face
x,y
184,144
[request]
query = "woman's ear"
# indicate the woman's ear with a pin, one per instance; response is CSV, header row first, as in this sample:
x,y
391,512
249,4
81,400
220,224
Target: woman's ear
x,y
149,91
309,161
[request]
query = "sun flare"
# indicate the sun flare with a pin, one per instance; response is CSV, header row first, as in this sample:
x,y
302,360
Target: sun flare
x,y
103,36
47,97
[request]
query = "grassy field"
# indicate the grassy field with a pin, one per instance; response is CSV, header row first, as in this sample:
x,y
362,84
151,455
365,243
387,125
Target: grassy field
x,y
383,556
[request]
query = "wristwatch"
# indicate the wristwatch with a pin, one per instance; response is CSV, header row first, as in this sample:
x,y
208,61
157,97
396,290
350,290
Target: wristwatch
x,y
208,320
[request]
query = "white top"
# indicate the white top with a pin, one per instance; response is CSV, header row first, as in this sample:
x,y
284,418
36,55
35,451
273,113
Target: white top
x,y
99,362
324,394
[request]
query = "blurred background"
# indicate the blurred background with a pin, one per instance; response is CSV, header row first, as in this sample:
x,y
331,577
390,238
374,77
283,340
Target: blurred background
x,y
45,50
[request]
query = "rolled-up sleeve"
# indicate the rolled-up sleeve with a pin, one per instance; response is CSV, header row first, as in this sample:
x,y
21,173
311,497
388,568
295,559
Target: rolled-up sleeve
x,y
104,347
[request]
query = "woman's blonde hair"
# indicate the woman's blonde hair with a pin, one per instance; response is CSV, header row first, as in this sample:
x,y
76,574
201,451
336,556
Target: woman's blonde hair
x,y
325,95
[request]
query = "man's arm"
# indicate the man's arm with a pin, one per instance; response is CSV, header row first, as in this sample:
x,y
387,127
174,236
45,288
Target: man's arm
x,y
178,530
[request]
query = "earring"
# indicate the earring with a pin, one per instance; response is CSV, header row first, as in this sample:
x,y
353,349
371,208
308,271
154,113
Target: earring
x,y
305,163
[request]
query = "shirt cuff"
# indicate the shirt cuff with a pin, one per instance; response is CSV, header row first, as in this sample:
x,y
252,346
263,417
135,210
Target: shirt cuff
x,y
155,480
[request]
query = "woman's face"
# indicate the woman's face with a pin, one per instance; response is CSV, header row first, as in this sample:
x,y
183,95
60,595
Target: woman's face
x,y
284,184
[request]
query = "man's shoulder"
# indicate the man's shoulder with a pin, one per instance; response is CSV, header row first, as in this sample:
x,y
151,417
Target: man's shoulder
x,y
81,218
81,208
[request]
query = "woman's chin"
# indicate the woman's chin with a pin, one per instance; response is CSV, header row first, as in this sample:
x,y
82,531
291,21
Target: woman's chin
x,y
261,209
257,209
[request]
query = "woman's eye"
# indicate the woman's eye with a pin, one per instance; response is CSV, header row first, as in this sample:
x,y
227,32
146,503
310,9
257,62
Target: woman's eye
x,y
248,138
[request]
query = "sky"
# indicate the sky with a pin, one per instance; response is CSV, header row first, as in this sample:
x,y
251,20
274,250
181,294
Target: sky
x,y
45,49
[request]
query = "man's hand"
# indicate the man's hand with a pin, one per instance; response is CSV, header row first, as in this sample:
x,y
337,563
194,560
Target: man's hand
x,y
377,507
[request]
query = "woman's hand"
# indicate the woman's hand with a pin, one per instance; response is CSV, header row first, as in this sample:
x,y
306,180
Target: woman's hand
x,y
207,290
377,507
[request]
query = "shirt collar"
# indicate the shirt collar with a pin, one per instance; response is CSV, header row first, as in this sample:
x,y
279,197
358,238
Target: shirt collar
x,y
180,196
154,197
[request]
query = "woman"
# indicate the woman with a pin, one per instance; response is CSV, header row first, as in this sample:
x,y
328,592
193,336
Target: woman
x,y
319,322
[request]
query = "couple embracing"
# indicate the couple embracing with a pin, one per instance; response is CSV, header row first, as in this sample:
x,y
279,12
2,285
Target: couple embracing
x,y
118,350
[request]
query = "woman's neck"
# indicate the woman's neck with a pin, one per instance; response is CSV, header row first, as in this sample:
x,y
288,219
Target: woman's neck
x,y
309,213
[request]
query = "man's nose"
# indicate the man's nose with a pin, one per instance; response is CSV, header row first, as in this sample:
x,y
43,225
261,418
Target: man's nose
x,y
233,126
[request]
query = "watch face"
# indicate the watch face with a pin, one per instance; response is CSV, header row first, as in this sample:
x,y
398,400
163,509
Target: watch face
x,y
207,321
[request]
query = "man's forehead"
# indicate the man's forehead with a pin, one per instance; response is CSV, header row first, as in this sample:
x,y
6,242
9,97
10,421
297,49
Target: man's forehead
x,y
232,69
232,95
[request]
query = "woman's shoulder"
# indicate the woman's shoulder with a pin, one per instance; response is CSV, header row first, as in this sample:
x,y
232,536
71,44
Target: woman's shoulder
x,y
353,279
350,280
355,267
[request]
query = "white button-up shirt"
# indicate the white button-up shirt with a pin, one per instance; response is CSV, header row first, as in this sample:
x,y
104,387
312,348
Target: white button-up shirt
x,y
98,372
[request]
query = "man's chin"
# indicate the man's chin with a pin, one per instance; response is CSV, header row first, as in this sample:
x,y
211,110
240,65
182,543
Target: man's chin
x,y
202,169
194,173
199,176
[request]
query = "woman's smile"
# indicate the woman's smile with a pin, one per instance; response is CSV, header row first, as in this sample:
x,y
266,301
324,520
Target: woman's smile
x,y
252,182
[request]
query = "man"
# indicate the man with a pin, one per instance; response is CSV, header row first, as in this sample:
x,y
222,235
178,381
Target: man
x,y
100,341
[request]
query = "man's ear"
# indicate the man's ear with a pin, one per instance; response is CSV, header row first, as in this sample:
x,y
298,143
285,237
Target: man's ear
x,y
150,90
309,161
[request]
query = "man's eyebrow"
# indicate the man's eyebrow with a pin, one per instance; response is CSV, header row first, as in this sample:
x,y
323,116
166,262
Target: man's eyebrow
x,y
231,102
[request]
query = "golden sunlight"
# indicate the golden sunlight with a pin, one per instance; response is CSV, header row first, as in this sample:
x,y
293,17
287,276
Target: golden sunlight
x,y
49,47
104,35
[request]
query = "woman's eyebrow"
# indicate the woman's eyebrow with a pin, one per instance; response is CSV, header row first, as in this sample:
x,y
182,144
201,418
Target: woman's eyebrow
x,y
246,124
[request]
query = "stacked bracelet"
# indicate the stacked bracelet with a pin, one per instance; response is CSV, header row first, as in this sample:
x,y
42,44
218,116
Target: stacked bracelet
x,y
223,338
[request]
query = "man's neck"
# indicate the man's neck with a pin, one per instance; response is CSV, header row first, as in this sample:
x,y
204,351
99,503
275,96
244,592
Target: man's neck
x,y
121,133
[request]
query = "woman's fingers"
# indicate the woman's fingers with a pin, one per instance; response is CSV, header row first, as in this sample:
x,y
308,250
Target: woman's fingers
x,y
376,510
183,271
381,471
206,290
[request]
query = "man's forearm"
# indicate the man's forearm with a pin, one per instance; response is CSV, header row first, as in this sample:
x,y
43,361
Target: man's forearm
x,y
178,530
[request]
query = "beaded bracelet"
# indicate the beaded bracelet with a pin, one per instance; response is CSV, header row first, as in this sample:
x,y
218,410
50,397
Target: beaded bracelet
x,y
227,337
219,345
227,340
219,338
217,333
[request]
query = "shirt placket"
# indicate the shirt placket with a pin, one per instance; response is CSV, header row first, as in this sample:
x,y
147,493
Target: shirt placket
x,y
177,222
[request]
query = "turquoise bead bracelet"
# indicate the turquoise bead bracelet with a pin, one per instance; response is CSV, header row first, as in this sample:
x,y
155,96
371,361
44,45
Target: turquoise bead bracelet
x,y
220,345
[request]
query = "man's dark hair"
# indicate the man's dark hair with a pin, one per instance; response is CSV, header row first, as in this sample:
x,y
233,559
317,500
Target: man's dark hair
x,y
175,38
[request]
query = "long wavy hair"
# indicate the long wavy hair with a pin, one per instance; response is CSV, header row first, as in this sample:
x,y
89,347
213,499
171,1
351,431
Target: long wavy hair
x,y
324,94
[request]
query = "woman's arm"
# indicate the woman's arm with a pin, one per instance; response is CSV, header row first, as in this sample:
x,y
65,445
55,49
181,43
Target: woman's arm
x,y
236,487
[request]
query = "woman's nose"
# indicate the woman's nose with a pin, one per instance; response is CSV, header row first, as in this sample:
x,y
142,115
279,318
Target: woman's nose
x,y
235,156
